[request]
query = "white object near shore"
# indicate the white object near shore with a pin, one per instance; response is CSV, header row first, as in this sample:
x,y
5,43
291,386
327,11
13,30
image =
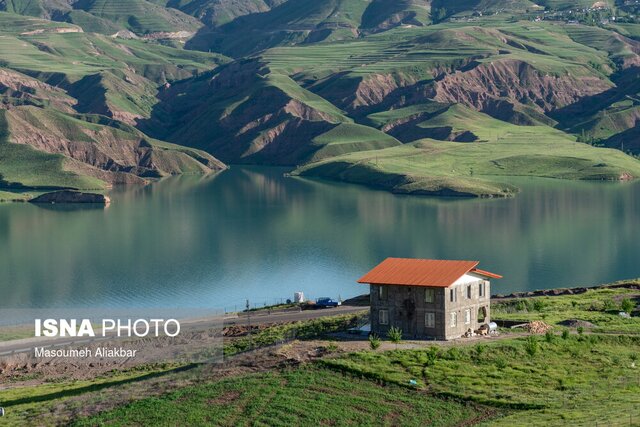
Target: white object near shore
x,y
1,412
298,297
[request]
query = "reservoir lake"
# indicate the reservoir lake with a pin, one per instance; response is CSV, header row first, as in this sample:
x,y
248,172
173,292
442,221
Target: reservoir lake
x,y
253,233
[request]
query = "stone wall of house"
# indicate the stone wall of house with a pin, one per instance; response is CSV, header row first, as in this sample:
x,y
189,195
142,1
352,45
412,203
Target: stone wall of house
x,y
463,303
412,308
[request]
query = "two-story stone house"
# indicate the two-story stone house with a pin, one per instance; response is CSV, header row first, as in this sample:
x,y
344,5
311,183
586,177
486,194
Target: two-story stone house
x,y
429,299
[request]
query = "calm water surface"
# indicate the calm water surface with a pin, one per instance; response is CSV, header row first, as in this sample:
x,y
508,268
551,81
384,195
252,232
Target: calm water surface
x,y
252,233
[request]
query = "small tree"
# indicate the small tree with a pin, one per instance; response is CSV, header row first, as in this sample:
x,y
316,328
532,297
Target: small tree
x,y
395,335
565,334
627,305
431,355
374,341
531,346
549,337
538,305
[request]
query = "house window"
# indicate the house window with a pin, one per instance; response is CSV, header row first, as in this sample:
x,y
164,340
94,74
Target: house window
x,y
467,316
454,319
429,320
383,293
429,295
468,291
452,295
384,317
481,289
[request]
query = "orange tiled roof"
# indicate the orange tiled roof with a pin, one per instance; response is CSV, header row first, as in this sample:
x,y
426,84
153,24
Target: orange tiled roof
x,y
422,272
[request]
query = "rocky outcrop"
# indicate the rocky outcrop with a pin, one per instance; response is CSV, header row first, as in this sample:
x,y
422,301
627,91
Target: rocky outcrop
x,y
246,114
19,89
111,152
69,196
514,80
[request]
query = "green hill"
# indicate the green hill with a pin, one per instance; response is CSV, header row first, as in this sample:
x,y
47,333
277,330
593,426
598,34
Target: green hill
x,y
44,148
107,16
441,168
219,12
70,98
319,84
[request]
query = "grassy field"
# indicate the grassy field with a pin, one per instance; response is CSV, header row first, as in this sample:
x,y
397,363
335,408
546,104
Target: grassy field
x,y
27,404
551,381
599,306
10,196
475,169
547,380
303,396
299,330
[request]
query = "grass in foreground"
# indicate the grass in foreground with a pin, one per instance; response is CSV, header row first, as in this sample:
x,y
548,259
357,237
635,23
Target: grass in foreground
x,y
576,380
297,330
307,395
25,405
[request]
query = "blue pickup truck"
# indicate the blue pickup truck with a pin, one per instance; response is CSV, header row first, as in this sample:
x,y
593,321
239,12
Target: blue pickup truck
x,y
327,303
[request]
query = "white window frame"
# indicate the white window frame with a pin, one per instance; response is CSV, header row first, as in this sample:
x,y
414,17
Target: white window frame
x,y
481,288
453,316
383,293
469,291
430,319
383,317
453,295
467,316
429,295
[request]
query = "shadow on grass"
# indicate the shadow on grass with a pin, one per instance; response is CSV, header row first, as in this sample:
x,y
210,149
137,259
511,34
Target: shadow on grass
x,y
94,387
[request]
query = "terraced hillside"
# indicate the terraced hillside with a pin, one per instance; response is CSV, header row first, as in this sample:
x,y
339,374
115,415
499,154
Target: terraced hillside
x,y
68,100
417,96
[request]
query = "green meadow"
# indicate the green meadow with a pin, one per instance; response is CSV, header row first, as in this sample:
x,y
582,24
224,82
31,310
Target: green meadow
x,y
309,395
548,380
477,168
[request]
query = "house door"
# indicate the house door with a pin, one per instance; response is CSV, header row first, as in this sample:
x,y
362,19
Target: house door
x,y
408,320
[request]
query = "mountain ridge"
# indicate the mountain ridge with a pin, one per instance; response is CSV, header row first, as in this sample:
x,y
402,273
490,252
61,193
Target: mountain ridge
x,y
294,82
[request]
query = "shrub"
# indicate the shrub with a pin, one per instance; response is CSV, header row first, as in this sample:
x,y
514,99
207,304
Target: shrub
x,y
531,346
454,353
521,305
633,357
597,306
610,305
580,330
627,305
431,355
549,337
374,341
565,334
539,304
395,335
480,349
501,363
574,304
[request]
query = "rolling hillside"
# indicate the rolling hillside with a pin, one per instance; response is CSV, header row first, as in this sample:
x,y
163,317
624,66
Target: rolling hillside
x,y
68,100
324,86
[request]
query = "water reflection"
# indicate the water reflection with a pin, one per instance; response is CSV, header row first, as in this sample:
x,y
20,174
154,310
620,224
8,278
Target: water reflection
x,y
252,233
